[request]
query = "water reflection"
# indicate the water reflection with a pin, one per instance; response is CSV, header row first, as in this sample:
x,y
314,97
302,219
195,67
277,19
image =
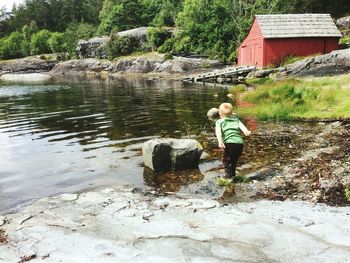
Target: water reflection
x,y
76,135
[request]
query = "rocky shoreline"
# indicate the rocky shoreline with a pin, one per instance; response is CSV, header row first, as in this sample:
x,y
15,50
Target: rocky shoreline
x,y
319,174
149,65
154,65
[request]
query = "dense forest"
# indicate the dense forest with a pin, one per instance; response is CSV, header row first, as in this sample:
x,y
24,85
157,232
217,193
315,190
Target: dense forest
x,y
210,27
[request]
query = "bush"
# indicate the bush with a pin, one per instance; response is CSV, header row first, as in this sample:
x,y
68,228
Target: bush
x,y
157,36
12,46
74,33
347,192
39,43
168,46
168,56
57,42
121,46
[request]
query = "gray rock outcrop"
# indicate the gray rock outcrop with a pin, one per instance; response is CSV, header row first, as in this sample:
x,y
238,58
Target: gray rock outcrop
x,y
334,63
162,155
154,63
344,22
93,48
96,47
26,65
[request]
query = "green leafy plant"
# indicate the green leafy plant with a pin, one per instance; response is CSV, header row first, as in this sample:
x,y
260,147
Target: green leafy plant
x,y
347,192
39,42
219,181
157,36
121,46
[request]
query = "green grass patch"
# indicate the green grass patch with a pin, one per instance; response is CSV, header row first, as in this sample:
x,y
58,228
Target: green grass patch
x,y
310,98
290,60
259,81
238,89
223,182
241,179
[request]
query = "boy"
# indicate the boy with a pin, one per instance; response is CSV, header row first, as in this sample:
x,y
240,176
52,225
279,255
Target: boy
x,y
227,130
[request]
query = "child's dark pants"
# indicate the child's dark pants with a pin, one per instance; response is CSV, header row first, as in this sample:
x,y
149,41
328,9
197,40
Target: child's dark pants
x,y
230,157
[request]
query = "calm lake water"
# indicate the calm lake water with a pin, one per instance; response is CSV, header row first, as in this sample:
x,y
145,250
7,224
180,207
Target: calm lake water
x,y
74,136
64,137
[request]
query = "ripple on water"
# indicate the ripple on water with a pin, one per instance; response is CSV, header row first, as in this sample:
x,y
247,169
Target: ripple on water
x,y
61,138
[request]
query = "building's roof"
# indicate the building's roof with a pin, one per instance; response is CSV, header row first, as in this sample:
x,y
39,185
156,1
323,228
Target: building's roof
x,y
297,25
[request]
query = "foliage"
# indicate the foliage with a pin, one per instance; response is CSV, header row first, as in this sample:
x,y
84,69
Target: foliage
x,y
347,193
241,179
121,46
121,15
223,182
168,46
327,97
11,46
238,88
57,42
56,15
74,33
162,12
289,60
157,36
168,56
39,42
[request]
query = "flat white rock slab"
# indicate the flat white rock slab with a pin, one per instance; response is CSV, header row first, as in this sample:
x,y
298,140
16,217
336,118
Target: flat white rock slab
x,y
116,225
30,77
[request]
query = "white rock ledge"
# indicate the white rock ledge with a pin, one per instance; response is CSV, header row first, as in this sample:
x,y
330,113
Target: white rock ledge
x,y
116,225
29,77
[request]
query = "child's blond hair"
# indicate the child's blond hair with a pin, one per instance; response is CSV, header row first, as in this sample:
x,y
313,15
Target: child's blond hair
x,y
225,109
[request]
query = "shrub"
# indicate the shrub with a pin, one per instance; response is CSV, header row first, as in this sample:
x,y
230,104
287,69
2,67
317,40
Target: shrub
x,y
168,56
12,46
57,42
39,42
121,46
74,33
347,193
157,36
168,46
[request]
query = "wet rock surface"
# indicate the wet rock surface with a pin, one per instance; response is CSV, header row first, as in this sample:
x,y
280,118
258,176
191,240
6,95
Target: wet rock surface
x,y
118,225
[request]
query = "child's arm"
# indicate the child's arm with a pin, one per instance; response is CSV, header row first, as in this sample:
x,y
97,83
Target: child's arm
x,y
244,129
219,136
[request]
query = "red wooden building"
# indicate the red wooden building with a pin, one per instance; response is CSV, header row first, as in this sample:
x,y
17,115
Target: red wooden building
x,y
273,37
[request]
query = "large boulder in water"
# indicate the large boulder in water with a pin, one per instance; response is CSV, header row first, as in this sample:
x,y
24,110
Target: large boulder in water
x,y
162,155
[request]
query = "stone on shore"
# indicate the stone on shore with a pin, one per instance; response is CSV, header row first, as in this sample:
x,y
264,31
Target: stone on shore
x,y
30,77
213,114
162,155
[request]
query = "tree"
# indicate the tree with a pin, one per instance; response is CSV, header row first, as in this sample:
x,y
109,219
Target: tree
x,y
39,43
11,46
162,12
121,15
